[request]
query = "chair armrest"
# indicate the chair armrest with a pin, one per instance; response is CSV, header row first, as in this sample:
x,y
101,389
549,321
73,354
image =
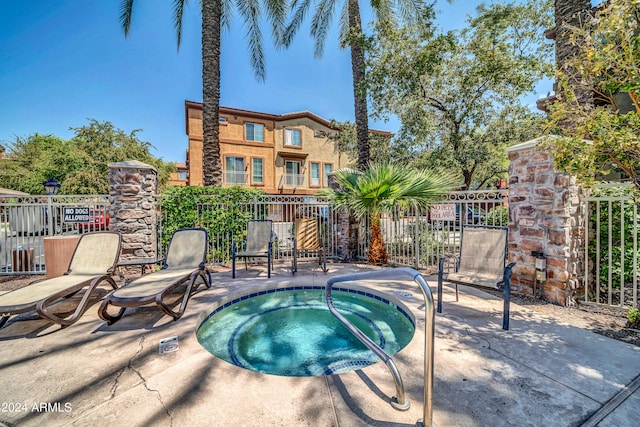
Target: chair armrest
x,y
455,257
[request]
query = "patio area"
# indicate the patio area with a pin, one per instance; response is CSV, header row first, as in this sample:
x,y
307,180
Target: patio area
x,y
540,372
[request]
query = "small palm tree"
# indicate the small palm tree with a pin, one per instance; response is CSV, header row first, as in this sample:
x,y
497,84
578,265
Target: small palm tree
x,y
382,186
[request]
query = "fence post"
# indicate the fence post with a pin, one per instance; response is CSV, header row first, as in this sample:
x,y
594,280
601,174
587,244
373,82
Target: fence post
x,y
132,196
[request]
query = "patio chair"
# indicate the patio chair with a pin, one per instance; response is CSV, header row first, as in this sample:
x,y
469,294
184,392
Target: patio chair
x,y
184,263
257,245
92,264
483,251
308,240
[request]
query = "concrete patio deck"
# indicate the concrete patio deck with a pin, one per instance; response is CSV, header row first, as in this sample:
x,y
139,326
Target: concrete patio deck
x,y
540,373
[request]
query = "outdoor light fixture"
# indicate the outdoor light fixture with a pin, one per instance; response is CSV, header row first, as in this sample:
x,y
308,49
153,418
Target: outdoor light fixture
x,y
51,187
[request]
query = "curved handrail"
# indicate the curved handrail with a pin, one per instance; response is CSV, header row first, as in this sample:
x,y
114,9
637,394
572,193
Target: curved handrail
x,y
397,273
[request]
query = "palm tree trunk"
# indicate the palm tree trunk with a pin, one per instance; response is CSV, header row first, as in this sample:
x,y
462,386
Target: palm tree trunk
x,y
571,13
211,164
359,91
377,250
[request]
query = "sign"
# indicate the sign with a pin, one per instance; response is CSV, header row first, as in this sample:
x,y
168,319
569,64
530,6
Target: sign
x,y
169,345
443,212
76,215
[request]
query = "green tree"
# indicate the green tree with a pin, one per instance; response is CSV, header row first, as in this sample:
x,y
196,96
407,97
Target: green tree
x,y
458,94
382,186
352,35
606,135
79,164
217,14
346,141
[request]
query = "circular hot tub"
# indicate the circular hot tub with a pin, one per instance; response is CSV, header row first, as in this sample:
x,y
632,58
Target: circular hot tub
x,y
290,331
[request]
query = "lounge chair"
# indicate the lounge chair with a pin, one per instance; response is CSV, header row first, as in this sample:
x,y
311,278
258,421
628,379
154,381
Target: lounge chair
x,y
184,262
483,252
92,264
308,241
258,244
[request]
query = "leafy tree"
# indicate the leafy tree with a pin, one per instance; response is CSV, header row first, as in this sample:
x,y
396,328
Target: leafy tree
x,y
352,35
346,141
217,14
458,93
382,186
79,164
606,135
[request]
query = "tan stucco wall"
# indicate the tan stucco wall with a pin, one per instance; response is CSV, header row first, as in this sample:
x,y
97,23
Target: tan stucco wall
x,y
273,150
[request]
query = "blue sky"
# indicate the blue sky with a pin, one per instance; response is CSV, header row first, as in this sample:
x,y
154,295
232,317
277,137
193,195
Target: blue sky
x,y
62,62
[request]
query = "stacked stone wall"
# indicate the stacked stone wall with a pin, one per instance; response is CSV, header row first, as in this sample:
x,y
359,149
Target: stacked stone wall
x,y
132,196
544,216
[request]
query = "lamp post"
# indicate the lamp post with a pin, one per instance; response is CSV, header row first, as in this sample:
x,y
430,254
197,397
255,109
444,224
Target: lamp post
x,y
51,188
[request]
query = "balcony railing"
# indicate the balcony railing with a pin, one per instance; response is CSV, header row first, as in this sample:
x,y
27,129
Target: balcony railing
x,y
293,180
235,177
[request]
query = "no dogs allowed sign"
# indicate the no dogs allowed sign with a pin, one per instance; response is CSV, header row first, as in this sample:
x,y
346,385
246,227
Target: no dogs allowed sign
x,y
76,214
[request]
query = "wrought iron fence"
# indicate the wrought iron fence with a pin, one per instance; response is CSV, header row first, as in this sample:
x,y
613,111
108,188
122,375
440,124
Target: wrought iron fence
x,y
612,249
26,224
418,238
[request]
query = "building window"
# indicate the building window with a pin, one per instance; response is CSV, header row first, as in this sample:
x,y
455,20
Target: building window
x,y
234,173
328,168
254,132
315,174
182,176
293,137
223,120
257,173
292,175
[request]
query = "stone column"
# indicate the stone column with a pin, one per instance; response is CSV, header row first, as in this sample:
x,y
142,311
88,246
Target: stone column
x,y
545,216
132,195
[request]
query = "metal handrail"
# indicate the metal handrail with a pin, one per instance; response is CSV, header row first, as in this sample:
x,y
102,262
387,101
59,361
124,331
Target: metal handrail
x,y
397,273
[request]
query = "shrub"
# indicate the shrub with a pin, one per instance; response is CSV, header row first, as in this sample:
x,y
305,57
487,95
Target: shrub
x,y
219,210
498,215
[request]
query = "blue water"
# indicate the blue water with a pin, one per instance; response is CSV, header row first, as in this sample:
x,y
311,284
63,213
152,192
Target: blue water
x,y
292,332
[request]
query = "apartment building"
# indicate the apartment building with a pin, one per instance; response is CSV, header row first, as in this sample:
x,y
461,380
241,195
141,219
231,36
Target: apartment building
x,y
279,153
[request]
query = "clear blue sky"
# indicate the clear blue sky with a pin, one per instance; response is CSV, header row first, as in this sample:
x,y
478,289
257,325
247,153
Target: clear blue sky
x,y
62,62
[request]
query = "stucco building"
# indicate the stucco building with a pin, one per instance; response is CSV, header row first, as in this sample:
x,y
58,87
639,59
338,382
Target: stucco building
x,y
279,153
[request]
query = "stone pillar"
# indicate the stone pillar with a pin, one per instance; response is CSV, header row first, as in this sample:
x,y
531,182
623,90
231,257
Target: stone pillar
x,y
545,216
132,195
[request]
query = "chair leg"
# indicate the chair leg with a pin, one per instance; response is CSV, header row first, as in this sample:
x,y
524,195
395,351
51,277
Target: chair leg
x,y
43,310
440,271
233,261
269,262
4,319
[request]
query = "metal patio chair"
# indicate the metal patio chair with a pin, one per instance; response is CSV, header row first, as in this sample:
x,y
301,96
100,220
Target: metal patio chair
x,y
257,245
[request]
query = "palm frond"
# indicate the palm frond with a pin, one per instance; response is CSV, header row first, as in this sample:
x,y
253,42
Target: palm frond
x,y
250,11
126,11
299,14
320,23
178,12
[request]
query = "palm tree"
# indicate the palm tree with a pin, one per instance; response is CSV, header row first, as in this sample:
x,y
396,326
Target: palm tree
x,y
571,14
351,34
216,14
382,186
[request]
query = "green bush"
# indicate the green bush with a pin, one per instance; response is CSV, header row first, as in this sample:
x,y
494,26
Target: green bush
x,y
222,211
498,215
